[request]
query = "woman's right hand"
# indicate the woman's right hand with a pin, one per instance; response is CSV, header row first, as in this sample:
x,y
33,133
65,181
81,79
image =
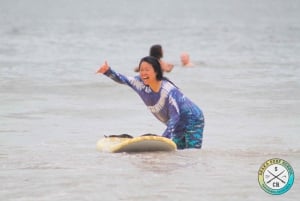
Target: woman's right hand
x,y
104,68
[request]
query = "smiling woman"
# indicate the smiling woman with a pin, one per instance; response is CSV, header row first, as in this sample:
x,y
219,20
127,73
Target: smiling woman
x,y
184,119
151,74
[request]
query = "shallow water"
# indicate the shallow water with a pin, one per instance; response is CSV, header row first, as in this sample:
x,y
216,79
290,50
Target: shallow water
x,y
53,108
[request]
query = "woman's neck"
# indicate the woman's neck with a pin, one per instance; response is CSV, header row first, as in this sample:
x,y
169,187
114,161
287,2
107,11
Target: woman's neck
x,y
155,86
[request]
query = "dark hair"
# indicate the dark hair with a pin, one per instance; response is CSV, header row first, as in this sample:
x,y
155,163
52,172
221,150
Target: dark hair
x,y
156,51
155,64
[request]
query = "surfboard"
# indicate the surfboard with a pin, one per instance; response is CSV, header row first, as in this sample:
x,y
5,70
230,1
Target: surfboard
x,y
127,143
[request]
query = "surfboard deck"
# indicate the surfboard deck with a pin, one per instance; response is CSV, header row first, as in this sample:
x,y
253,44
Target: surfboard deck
x,y
127,143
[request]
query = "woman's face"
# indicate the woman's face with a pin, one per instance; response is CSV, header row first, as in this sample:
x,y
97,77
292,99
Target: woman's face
x,y
147,73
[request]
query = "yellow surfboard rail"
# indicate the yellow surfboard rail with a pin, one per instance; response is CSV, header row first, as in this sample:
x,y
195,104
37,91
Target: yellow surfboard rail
x,y
146,143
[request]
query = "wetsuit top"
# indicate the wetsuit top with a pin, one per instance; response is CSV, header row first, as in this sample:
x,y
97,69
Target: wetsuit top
x,y
168,105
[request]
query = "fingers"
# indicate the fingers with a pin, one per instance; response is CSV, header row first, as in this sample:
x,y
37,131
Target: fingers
x,y
103,68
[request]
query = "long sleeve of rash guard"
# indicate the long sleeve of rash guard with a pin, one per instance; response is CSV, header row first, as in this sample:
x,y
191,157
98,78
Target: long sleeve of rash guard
x,y
116,77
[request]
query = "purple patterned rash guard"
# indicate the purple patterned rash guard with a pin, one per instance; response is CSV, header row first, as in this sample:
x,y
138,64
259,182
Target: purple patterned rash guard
x,y
184,120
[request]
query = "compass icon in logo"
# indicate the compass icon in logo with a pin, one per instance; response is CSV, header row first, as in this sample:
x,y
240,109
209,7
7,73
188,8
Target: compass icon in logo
x,y
276,176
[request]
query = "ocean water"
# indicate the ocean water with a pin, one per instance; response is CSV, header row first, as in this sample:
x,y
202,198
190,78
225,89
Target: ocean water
x,y
54,108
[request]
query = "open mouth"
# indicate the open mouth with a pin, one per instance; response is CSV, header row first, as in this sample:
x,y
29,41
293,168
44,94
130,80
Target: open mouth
x,y
145,78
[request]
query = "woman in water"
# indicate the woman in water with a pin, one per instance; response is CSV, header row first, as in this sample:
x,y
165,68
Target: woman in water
x,y
184,120
157,52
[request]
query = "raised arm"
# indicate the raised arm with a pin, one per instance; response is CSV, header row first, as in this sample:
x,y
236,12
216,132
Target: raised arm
x,y
133,82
